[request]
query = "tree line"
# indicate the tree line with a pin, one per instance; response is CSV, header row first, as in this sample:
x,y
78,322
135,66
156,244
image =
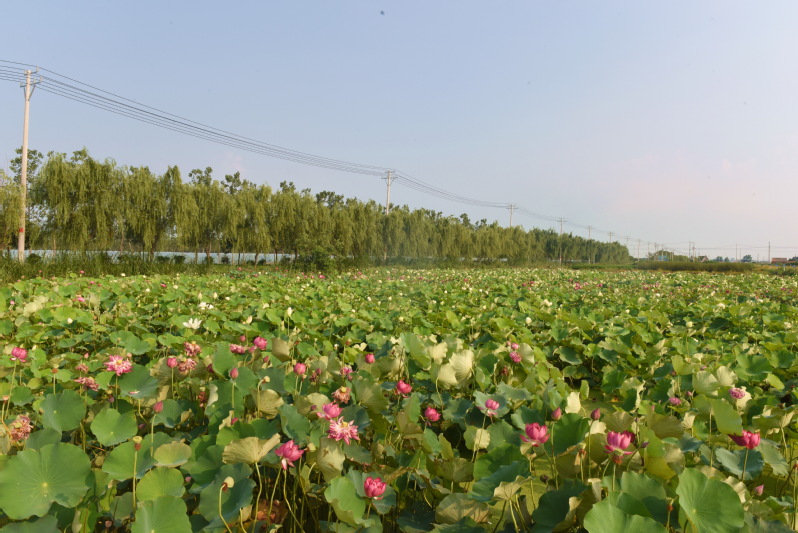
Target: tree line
x,y
79,203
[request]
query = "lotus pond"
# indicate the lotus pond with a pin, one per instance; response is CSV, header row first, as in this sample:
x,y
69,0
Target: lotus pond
x,y
398,400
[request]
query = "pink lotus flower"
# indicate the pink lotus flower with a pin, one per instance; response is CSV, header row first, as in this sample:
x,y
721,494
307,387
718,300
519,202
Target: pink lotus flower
x,y
515,357
118,365
736,393
618,442
490,408
300,369
234,372
171,362
596,414
238,349
329,411
19,354
403,388
432,414
20,428
186,366
192,348
345,371
748,439
157,408
87,382
260,343
759,489
374,487
536,434
289,452
342,395
340,430
369,358
674,401
514,346
556,414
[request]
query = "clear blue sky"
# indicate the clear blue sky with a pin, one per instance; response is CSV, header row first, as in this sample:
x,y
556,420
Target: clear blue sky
x,y
664,121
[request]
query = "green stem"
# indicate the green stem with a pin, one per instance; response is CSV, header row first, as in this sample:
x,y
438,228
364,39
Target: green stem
x,y
221,489
271,499
501,518
745,463
135,471
285,497
257,500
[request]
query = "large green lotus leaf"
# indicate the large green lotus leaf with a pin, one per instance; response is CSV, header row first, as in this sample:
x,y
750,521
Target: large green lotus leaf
x,y
341,494
46,524
295,426
160,481
726,417
711,505
32,480
111,427
233,499
502,484
489,462
705,383
170,415
138,383
772,457
370,396
733,462
555,506
280,349
330,458
457,506
647,490
119,463
223,359
250,450
166,514
604,517
172,454
568,431
63,411
43,437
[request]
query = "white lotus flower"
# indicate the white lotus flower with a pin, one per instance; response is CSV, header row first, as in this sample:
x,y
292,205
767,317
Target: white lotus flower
x,y
193,323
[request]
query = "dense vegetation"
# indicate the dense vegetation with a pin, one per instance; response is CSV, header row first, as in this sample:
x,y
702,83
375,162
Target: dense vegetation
x,y
78,203
385,400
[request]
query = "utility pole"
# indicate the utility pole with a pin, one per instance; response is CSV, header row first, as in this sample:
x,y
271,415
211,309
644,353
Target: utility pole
x,y
388,180
23,182
610,237
638,249
769,259
561,220
511,208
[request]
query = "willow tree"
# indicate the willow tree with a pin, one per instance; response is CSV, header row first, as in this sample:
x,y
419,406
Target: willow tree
x,y
152,205
82,199
9,211
213,212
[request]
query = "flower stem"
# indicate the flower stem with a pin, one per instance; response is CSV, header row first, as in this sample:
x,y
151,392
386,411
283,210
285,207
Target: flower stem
x,y
257,500
745,463
271,499
221,489
501,518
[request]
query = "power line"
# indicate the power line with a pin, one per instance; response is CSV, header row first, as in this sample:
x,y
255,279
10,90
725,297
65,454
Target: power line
x,y
81,92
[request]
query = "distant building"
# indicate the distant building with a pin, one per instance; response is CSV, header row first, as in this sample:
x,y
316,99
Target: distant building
x,y
779,260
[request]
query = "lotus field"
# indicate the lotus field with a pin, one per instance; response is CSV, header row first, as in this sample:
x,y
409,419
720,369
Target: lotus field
x,y
388,400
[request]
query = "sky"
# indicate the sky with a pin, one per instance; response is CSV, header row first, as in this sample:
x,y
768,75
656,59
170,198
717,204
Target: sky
x,y
661,122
